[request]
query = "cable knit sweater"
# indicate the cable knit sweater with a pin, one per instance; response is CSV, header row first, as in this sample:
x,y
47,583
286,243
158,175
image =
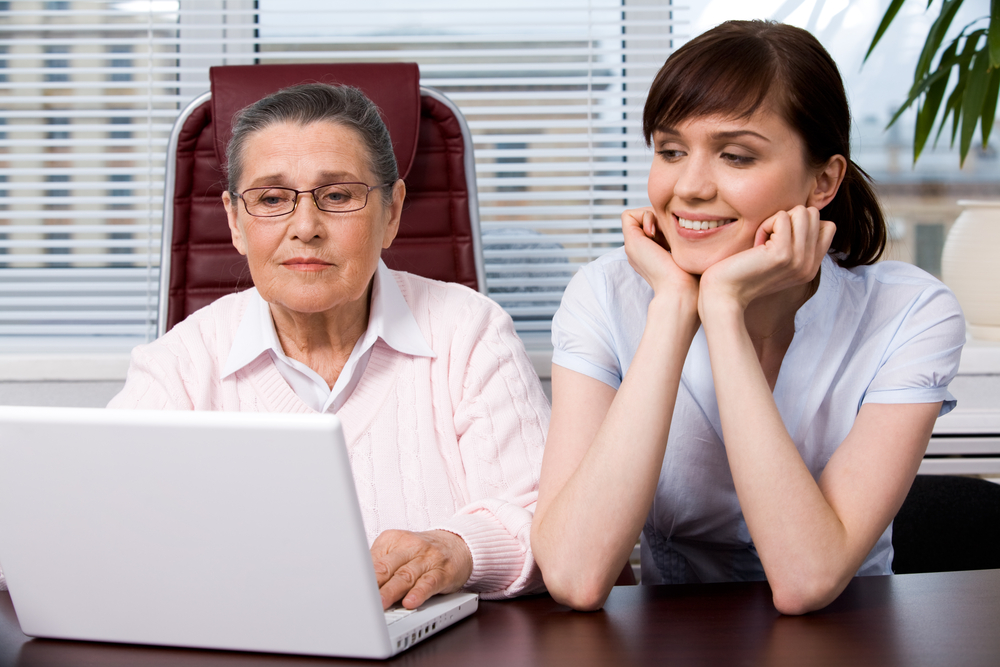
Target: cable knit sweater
x,y
452,442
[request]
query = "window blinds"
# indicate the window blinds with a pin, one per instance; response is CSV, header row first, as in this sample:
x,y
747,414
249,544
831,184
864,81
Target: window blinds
x,y
552,91
89,95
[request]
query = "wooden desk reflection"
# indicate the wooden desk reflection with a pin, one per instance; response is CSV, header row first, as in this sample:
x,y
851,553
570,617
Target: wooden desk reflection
x,y
919,619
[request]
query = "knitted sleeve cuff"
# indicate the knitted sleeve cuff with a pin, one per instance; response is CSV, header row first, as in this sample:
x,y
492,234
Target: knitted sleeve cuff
x,y
502,564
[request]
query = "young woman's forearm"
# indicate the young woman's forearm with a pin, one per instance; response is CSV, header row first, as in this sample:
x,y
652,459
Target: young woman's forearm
x,y
588,519
798,536
811,537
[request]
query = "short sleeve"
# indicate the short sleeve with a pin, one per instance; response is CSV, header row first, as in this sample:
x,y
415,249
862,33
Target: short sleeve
x,y
923,355
582,331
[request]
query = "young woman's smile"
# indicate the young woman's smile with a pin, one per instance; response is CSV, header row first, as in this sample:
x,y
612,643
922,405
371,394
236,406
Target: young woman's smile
x,y
693,222
714,180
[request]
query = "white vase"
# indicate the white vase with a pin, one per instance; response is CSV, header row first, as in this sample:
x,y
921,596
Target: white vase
x,y
970,266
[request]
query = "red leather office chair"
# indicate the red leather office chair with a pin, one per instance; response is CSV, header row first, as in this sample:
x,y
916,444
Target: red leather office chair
x,y
439,230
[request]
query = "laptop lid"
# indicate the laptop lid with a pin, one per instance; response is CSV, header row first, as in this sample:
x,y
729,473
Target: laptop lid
x,y
200,529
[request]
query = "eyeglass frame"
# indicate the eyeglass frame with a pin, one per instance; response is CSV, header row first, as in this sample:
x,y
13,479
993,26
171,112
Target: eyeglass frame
x,y
240,195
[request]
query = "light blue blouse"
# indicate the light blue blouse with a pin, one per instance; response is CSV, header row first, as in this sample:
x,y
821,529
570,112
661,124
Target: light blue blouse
x,y
886,333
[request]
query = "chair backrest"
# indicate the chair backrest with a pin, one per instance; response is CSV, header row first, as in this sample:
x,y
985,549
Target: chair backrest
x,y
947,523
439,231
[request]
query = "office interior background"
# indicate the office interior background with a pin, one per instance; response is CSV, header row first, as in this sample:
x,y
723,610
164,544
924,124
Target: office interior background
x,y
553,93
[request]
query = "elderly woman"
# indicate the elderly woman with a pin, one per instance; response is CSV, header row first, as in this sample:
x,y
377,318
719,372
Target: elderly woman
x,y
444,416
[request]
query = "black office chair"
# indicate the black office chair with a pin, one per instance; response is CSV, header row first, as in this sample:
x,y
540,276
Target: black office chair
x,y
947,523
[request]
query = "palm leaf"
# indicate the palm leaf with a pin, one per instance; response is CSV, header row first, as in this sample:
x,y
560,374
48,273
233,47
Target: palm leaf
x,y
943,72
975,97
994,37
928,111
950,107
956,105
958,95
972,104
953,107
935,36
990,102
890,14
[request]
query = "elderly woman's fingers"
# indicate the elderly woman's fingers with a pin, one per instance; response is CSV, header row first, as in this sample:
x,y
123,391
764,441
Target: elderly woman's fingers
x,y
414,566
387,556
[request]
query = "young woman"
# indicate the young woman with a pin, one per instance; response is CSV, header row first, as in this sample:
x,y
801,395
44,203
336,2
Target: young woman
x,y
742,382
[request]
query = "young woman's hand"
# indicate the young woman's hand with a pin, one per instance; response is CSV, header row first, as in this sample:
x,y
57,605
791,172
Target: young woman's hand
x,y
648,254
788,250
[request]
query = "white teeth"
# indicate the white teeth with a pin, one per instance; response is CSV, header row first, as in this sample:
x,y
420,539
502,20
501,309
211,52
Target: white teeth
x,y
698,225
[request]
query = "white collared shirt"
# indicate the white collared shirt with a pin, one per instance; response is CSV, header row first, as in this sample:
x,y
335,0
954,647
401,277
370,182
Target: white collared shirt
x,y
884,333
390,319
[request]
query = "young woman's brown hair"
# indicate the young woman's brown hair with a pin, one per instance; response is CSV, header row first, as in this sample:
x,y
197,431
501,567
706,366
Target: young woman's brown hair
x,y
742,66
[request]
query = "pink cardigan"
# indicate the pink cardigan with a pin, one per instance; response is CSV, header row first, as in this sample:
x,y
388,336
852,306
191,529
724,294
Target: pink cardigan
x,y
452,442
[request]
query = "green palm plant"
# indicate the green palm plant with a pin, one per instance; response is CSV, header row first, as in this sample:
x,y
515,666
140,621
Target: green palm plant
x,y
974,55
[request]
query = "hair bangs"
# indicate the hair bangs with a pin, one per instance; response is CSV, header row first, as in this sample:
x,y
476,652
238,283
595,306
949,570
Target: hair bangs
x,y
728,77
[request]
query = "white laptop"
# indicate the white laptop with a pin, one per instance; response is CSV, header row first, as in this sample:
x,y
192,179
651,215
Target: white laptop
x,y
219,530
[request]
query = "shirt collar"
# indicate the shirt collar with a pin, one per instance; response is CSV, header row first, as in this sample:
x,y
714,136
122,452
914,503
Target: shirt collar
x,y
390,319
821,301
254,336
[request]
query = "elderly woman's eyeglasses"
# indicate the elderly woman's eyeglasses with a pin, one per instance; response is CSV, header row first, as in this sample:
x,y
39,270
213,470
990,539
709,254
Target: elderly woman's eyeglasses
x,y
332,198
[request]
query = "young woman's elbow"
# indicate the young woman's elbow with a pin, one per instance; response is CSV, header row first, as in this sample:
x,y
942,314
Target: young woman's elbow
x,y
796,598
580,598
792,604
579,593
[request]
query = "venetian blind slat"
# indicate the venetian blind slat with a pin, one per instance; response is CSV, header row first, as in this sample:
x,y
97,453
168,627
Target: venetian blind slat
x,y
552,92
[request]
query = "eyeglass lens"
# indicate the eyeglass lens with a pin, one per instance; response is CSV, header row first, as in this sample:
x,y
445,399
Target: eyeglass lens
x,y
333,198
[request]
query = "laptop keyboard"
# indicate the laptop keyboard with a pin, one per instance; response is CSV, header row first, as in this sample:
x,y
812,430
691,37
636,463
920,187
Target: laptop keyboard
x,y
393,614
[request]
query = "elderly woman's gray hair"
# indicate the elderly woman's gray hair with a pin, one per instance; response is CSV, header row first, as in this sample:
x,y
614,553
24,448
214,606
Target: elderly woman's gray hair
x,y
310,103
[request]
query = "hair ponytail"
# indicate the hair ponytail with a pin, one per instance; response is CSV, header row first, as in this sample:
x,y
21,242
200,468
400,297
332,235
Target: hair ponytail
x,y
862,232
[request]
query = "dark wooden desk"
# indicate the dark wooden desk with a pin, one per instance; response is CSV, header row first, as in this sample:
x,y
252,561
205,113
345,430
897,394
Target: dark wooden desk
x,y
949,619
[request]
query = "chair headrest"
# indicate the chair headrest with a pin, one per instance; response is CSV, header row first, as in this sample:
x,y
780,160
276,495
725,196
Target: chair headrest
x,y
394,87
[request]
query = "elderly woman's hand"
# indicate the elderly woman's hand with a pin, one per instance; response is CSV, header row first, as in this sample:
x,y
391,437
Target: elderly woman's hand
x,y
419,565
